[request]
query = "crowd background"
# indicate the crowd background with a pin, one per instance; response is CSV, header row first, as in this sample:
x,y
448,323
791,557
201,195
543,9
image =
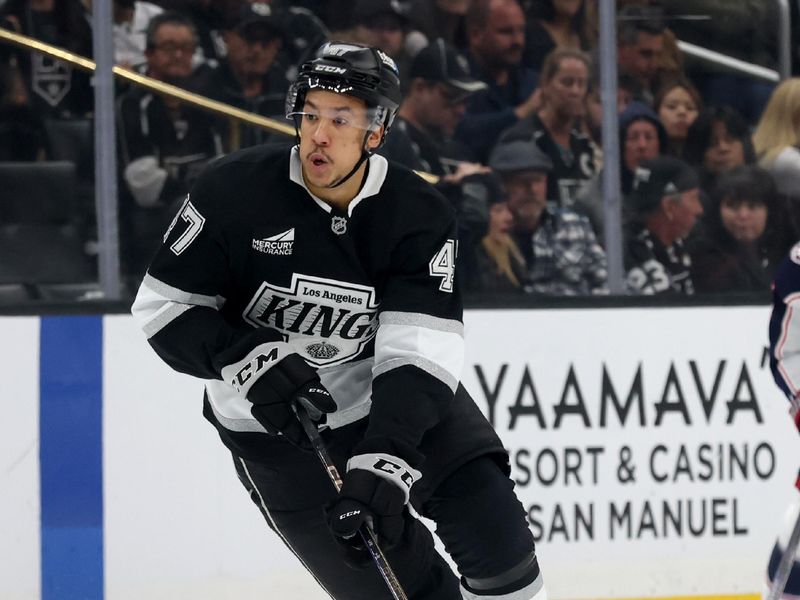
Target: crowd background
x,y
501,101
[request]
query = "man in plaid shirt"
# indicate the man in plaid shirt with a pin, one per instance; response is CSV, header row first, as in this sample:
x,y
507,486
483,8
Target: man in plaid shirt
x,y
563,255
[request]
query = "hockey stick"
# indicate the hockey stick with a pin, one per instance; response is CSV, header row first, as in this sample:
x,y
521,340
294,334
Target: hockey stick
x,y
366,532
785,566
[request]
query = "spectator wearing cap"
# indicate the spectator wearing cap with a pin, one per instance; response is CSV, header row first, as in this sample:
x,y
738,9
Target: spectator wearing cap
x,y
250,77
496,36
555,127
666,205
642,137
164,144
560,249
383,24
421,138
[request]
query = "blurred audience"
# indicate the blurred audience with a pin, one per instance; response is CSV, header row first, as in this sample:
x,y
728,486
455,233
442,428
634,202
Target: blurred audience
x,y
677,104
249,76
496,33
665,206
560,249
554,24
642,137
432,19
718,140
555,127
745,234
640,44
56,88
777,142
421,138
383,24
131,18
500,265
22,133
164,144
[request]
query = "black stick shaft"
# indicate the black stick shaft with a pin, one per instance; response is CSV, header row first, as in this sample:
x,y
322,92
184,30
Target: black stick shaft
x,y
366,533
785,566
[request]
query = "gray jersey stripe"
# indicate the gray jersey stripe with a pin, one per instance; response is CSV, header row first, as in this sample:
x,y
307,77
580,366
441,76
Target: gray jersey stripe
x,y
163,318
391,317
532,591
420,362
178,295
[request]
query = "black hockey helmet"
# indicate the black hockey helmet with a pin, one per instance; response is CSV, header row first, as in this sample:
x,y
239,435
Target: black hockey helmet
x,y
355,70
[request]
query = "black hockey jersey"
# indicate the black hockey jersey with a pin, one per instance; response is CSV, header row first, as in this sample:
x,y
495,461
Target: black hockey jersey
x,y
255,267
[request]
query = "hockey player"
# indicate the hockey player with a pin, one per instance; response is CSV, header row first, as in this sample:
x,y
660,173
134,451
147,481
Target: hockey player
x,y
325,273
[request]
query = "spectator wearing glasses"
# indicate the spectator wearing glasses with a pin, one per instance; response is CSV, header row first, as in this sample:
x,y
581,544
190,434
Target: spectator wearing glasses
x,y
250,76
421,138
164,144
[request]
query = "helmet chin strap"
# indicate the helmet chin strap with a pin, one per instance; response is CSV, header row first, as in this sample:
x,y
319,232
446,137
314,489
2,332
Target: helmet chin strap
x,y
364,156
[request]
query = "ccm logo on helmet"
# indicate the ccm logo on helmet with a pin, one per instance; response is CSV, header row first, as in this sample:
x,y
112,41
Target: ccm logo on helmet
x,y
330,69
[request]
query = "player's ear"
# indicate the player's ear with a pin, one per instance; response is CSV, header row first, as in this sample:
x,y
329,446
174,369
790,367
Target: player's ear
x,y
375,137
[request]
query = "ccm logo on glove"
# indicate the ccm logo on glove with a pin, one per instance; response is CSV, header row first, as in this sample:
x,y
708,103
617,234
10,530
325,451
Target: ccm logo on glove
x,y
388,467
241,375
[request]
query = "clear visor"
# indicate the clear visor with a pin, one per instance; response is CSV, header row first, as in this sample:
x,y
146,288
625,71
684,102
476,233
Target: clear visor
x,y
363,119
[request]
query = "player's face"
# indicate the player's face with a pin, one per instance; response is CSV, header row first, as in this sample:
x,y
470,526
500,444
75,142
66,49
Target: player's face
x,y
332,134
527,197
745,220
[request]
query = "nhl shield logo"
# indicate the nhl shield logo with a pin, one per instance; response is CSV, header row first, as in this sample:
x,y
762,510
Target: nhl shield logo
x,y
339,225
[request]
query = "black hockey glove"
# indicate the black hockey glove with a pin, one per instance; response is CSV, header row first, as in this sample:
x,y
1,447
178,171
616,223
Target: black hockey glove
x,y
375,491
288,381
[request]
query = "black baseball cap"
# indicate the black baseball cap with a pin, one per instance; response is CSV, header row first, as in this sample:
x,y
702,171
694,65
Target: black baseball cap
x,y
662,176
519,155
256,13
439,61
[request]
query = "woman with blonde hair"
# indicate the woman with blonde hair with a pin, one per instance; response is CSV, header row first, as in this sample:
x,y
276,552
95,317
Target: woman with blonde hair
x,y
777,142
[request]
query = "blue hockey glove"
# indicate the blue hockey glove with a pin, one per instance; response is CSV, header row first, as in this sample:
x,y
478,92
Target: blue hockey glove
x,y
288,381
375,491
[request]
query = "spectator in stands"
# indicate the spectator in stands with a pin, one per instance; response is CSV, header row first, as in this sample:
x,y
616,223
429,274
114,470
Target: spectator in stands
x,y
164,144
496,33
555,126
131,18
718,140
249,77
22,132
745,234
677,103
56,89
777,142
642,137
500,266
666,201
433,19
421,138
640,43
560,249
554,24
383,24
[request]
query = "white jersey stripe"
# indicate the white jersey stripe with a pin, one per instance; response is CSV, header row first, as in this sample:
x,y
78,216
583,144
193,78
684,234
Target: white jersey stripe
x,y
439,353
421,320
533,591
157,304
